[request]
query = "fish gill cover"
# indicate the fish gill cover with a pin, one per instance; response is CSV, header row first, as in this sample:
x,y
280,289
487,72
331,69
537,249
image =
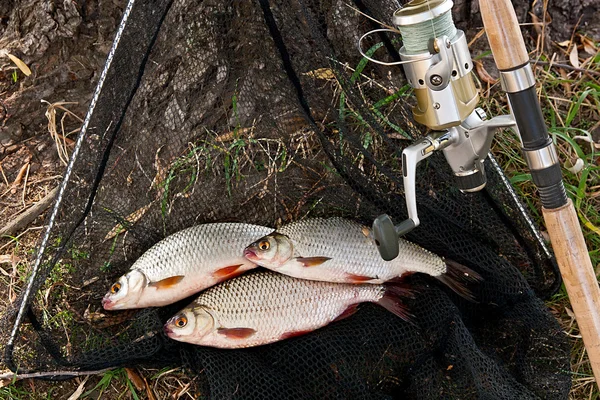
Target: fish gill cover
x,y
263,112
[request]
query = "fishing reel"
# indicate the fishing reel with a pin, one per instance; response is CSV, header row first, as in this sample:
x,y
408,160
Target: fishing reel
x,y
437,63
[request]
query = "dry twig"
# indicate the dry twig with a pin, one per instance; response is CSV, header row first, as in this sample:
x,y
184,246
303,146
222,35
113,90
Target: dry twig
x,y
28,216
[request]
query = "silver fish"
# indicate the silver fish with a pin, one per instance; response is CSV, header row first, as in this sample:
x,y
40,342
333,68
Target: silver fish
x,y
341,250
183,264
265,307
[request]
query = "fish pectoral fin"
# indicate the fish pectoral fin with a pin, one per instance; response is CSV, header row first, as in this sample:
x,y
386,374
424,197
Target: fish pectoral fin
x,y
366,231
353,278
167,282
227,272
312,261
236,333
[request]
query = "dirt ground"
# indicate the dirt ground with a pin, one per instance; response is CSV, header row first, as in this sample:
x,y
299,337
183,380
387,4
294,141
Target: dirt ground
x,y
64,44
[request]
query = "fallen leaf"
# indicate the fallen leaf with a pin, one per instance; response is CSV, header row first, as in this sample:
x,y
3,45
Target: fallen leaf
x,y
20,64
565,82
565,43
574,167
89,281
77,393
229,136
131,219
21,174
570,312
321,73
588,45
9,259
135,378
483,74
537,25
93,317
574,57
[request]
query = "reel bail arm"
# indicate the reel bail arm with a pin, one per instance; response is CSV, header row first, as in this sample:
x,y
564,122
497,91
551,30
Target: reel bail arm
x,y
465,147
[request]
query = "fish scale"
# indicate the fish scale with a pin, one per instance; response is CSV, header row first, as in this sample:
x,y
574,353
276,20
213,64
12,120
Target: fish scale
x,y
353,250
184,263
182,252
265,307
344,251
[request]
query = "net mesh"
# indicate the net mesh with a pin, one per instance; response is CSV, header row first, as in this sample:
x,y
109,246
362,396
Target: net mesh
x,y
264,112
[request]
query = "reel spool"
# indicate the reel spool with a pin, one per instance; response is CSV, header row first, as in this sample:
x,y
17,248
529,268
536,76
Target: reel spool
x,y
438,63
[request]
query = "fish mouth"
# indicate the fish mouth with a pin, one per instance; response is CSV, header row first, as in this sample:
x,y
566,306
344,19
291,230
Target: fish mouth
x,y
250,254
107,303
167,330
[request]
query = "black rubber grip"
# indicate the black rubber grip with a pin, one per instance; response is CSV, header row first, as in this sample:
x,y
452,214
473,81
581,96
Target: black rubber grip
x,y
528,114
547,176
553,196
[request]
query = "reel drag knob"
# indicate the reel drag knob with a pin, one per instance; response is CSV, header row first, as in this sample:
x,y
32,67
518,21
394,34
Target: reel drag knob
x,y
472,182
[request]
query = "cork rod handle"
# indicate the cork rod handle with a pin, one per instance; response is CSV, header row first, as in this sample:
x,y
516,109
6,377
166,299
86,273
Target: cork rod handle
x,y
578,275
504,34
569,246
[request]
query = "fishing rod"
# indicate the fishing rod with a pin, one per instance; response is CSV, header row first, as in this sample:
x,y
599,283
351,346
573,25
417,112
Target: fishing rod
x,y
437,63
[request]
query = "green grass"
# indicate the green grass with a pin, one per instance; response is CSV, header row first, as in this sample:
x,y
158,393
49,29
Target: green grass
x,y
117,377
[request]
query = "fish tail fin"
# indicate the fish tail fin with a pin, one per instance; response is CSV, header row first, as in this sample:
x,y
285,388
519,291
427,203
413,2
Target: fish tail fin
x,y
457,277
392,300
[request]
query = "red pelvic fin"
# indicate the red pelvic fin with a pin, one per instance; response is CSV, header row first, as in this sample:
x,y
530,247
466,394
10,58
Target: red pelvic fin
x,y
392,301
457,277
167,282
348,312
353,278
289,335
236,333
227,272
312,261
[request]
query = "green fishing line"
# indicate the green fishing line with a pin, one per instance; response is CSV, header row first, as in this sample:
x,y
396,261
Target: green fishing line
x,y
417,36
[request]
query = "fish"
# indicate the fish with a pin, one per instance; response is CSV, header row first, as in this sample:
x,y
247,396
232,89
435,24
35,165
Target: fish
x,y
183,264
264,307
344,251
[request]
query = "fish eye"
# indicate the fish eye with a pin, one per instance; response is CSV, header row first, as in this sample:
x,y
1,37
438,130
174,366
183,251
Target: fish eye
x,y
264,245
115,288
181,321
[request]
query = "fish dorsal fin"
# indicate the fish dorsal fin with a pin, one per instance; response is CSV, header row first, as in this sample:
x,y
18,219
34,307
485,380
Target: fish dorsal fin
x,y
226,272
236,333
167,283
312,261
